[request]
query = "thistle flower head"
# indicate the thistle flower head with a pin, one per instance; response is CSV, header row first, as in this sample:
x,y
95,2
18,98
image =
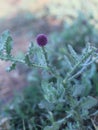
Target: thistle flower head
x,y
42,40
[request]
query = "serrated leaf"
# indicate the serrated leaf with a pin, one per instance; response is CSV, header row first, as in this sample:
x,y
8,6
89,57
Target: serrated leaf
x,y
73,53
31,48
27,60
40,57
88,103
12,67
78,90
49,92
3,39
6,41
68,62
8,45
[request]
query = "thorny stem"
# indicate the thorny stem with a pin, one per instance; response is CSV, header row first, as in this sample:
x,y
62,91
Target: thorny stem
x,y
85,65
46,57
47,62
82,70
13,59
76,66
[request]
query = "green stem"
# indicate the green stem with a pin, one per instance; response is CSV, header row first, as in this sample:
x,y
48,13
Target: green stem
x,y
47,62
76,66
13,59
46,57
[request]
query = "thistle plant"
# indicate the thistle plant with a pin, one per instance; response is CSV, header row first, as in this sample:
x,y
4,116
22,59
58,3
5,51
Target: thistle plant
x,y
65,100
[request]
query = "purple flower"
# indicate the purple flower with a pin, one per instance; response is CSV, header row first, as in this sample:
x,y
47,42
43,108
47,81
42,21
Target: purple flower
x,y
42,40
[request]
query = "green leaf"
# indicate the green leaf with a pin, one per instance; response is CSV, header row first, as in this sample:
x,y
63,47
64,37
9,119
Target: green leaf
x,y
8,45
56,125
86,84
3,40
73,53
49,92
88,103
6,41
46,105
78,90
27,60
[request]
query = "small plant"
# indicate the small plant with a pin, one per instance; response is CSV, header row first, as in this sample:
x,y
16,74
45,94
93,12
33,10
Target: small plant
x,y
63,101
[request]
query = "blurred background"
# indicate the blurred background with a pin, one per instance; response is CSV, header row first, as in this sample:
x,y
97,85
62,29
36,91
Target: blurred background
x,y
73,22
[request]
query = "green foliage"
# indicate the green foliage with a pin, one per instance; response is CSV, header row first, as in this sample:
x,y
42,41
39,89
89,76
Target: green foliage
x,y
25,109
7,41
63,85
77,33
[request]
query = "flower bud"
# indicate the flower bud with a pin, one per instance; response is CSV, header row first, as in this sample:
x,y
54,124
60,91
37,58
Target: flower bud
x,y
42,40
